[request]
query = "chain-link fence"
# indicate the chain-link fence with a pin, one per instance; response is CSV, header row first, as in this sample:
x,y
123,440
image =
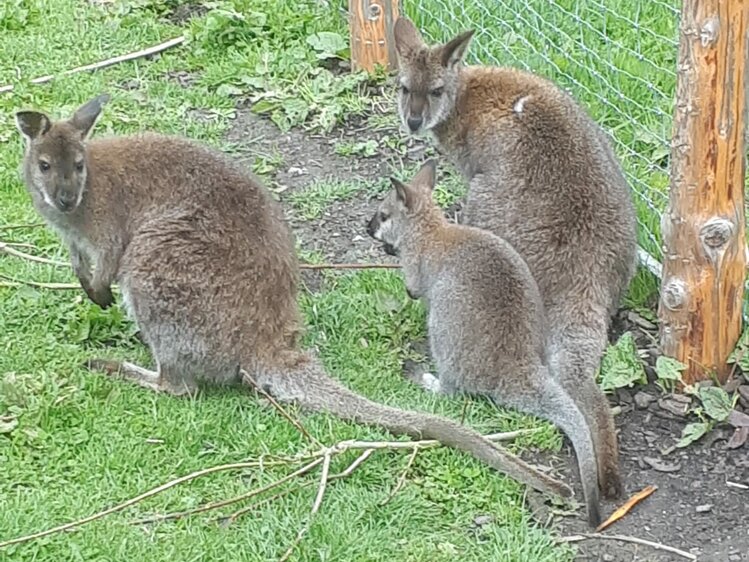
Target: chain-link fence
x,y
617,57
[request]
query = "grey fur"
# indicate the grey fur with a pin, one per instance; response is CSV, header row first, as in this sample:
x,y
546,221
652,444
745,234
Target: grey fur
x,y
206,266
542,175
485,316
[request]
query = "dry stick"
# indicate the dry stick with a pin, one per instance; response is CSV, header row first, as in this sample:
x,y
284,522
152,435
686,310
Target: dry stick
x,y
296,423
622,538
108,62
132,501
349,266
5,247
315,506
353,466
402,479
10,282
215,505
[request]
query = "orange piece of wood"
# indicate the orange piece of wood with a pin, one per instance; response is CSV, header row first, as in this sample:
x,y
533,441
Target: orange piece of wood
x,y
372,43
704,266
626,507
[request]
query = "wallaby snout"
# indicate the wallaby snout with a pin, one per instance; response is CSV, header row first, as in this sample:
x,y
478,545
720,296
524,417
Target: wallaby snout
x,y
414,123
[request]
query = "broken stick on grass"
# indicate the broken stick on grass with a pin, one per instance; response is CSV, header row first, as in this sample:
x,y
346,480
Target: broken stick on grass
x,y
623,538
108,62
8,249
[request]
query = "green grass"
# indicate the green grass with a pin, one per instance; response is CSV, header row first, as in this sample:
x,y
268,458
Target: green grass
x,y
73,443
311,201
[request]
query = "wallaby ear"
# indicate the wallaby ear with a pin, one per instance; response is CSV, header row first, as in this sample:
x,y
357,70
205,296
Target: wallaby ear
x,y
85,116
454,50
32,124
427,175
402,192
407,37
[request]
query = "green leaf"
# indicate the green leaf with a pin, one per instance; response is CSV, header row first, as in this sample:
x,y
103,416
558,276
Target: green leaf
x,y
621,365
669,368
716,402
327,44
7,424
692,432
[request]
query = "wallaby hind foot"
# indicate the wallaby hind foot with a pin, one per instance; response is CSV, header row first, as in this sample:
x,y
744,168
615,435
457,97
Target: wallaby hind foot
x,y
157,381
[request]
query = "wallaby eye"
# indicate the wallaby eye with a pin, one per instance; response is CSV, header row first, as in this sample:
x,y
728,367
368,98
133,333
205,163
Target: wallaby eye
x,y
384,216
437,92
79,166
43,165
404,89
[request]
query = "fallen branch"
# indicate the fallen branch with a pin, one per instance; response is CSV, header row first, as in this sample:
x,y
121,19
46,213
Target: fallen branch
x,y
216,505
11,282
315,507
622,538
402,479
296,423
119,507
349,266
367,446
108,62
7,248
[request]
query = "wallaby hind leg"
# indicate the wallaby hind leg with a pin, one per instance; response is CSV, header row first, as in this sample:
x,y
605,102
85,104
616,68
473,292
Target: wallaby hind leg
x,y
163,380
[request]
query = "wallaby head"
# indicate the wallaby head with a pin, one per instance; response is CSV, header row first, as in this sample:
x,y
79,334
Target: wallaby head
x,y
428,77
55,159
405,204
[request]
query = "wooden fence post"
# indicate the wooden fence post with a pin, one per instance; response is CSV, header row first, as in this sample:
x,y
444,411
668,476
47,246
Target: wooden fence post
x,y
704,266
371,24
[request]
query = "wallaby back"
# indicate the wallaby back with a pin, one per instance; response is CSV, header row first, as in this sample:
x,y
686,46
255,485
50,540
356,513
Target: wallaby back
x,y
543,176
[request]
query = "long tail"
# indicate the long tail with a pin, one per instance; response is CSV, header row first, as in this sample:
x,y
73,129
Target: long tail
x,y
575,353
311,387
556,405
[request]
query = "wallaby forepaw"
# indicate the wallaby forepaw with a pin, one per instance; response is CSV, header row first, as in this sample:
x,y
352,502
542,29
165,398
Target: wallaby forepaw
x,y
430,383
611,485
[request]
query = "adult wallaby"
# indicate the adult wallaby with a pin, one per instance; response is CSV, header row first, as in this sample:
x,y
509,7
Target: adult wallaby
x,y
206,266
485,316
543,176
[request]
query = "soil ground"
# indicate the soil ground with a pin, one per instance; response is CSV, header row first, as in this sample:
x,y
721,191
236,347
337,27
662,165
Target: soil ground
x,y
701,504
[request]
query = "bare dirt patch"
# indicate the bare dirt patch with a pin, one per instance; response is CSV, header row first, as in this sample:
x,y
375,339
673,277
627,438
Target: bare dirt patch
x,y
695,508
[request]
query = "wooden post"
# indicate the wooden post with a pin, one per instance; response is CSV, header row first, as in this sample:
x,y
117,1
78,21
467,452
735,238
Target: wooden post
x,y
372,43
704,250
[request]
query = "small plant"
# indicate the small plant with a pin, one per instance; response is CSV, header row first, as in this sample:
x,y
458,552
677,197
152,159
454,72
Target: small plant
x,y
267,164
364,148
621,365
715,408
329,45
312,201
668,371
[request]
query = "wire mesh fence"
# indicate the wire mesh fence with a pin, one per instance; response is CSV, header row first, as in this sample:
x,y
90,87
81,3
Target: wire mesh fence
x,y
617,57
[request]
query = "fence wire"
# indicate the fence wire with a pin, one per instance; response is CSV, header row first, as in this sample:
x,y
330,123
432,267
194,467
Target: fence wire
x,y
617,57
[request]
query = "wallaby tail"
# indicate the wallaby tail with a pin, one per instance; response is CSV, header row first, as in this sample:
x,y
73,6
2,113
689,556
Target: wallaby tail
x,y
312,388
557,406
575,353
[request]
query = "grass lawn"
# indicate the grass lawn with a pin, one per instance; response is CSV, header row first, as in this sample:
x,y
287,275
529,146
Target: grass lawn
x,y
73,443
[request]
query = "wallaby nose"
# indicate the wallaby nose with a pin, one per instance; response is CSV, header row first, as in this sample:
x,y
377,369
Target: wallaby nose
x,y
66,201
371,228
414,123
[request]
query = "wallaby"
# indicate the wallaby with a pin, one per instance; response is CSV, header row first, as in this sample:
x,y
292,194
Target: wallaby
x,y
485,317
206,267
543,176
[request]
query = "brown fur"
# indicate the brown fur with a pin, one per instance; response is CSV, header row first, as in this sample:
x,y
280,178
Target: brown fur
x,y
207,269
485,315
543,176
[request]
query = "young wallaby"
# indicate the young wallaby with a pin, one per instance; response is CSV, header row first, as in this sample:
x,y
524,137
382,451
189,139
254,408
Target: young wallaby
x,y
485,316
543,176
206,266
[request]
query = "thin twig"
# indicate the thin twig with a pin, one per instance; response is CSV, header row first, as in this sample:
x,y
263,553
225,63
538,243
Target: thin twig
x,y
349,266
20,226
402,479
315,506
108,62
11,282
215,505
5,247
623,538
119,507
353,466
296,423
